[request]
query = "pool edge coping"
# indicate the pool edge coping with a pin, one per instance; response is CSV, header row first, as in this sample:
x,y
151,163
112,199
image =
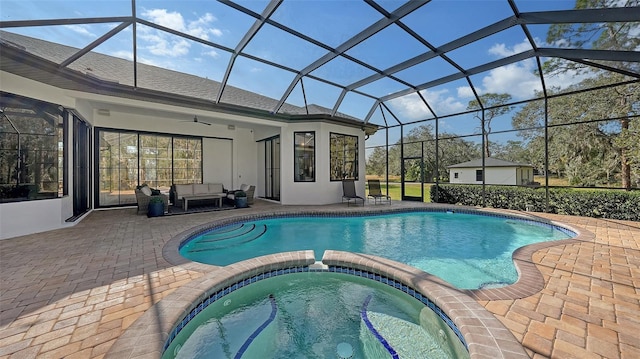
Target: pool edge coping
x,y
530,280
483,333
141,339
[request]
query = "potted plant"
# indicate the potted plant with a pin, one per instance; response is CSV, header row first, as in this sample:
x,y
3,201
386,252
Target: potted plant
x,y
241,199
156,207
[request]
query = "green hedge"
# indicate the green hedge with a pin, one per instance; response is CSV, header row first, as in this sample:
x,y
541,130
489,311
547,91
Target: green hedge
x,y
614,204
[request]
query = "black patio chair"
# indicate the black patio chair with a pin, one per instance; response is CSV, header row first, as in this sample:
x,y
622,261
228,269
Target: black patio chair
x,y
375,192
349,192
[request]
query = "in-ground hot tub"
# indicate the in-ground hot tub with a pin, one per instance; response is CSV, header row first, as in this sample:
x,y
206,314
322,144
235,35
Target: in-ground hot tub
x,y
317,313
378,279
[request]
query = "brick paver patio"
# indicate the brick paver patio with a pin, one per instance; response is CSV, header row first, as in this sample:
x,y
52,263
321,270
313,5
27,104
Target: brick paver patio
x,y
71,293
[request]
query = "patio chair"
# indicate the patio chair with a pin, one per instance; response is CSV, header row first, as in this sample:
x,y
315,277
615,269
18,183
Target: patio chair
x,y
375,192
143,197
349,192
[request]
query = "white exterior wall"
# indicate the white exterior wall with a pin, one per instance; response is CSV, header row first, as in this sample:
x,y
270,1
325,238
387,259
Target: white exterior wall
x,y
322,191
230,160
465,175
501,175
21,218
493,175
230,156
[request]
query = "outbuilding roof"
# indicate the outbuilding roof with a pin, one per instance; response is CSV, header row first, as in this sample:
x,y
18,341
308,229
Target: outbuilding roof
x,y
489,162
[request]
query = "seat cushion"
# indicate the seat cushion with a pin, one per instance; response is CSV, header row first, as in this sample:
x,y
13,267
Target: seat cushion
x,y
183,190
216,188
146,190
201,188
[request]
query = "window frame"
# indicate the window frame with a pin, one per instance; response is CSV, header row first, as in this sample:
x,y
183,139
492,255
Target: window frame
x,y
343,152
35,158
297,176
195,166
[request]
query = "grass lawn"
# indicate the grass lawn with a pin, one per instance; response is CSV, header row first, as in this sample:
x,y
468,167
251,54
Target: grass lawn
x,y
412,189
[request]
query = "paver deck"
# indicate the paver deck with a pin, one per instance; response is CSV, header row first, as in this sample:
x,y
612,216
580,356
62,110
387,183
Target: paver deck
x,y
70,293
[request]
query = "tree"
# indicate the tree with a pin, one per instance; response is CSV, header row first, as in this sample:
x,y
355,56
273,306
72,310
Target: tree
x,y
582,143
377,162
621,36
493,105
628,140
451,150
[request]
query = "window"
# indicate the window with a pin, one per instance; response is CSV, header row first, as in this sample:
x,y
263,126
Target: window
x,y
479,175
343,157
155,161
305,156
187,160
455,175
31,149
127,159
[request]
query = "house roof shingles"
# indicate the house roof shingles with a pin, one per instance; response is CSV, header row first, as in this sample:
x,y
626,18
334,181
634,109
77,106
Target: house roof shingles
x,y
120,71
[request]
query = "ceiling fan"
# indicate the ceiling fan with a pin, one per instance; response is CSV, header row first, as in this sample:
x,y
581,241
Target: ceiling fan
x,y
195,120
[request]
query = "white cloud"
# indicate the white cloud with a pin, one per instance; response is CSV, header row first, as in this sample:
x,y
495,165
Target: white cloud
x,y
172,20
216,32
465,92
411,106
212,53
442,102
80,29
200,27
516,79
503,50
163,44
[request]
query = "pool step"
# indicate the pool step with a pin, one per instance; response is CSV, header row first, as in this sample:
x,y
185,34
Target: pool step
x,y
227,237
409,340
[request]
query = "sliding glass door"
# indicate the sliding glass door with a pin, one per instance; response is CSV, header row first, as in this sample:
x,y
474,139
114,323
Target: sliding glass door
x,y
127,159
272,168
81,172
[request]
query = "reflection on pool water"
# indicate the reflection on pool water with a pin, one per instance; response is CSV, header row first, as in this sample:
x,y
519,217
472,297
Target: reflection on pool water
x,y
444,244
316,315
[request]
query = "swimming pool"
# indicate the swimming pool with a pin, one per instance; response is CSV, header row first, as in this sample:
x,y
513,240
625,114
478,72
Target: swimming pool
x,y
316,315
445,244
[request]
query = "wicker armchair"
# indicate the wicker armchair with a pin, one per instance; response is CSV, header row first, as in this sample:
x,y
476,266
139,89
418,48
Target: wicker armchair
x,y
143,201
249,190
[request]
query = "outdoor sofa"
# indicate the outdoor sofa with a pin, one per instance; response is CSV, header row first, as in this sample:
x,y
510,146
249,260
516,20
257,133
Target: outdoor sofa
x,y
183,193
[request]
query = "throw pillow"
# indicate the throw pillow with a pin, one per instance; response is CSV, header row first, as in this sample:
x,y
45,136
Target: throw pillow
x,y
244,187
155,192
146,190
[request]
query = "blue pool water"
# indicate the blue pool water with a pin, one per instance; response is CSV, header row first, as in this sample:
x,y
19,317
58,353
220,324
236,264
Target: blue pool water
x,y
312,315
466,250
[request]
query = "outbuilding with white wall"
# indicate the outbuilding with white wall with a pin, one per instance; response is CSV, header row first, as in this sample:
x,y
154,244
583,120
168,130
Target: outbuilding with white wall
x,y
495,171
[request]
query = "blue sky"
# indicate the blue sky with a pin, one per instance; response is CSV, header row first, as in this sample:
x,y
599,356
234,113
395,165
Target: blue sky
x,y
329,21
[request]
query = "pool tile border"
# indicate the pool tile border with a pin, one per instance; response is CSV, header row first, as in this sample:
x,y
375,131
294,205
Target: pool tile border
x,y
221,293
171,249
483,334
530,280
480,338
